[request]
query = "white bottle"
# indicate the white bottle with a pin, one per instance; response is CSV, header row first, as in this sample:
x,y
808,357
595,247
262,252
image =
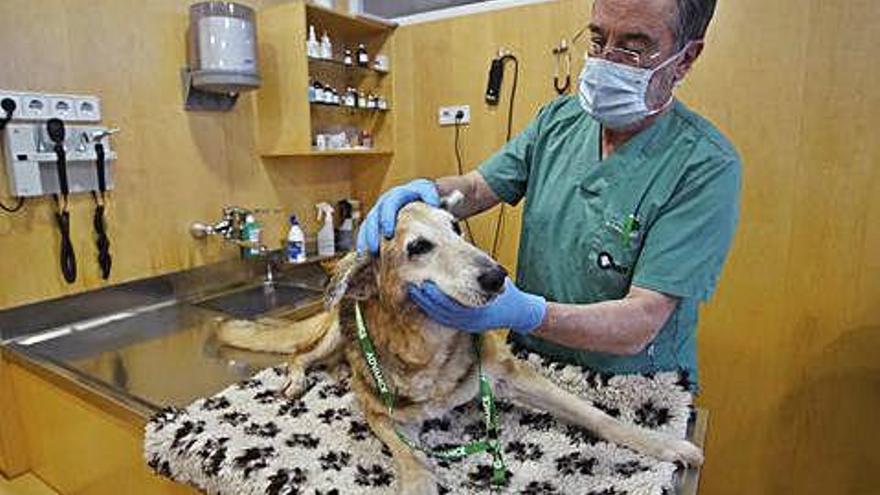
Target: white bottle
x,y
326,47
313,48
296,242
326,238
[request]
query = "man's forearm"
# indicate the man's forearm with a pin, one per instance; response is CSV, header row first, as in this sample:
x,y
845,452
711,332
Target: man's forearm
x,y
624,327
478,197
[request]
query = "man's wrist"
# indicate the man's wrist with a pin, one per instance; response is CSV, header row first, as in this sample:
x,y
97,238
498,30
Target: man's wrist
x,y
536,318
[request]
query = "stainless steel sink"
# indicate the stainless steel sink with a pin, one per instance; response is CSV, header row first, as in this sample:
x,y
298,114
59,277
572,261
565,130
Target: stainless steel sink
x,y
152,343
262,300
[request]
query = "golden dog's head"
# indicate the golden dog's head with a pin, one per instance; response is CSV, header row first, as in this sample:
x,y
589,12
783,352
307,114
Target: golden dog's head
x,y
427,246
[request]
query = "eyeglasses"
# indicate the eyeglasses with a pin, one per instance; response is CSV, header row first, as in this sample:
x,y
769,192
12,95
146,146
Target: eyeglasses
x,y
621,55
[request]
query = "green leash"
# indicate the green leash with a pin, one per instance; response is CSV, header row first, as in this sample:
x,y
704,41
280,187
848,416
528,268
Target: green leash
x,y
490,444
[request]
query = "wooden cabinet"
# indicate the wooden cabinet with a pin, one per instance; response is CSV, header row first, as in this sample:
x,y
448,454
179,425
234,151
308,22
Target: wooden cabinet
x,y
77,441
13,459
288,122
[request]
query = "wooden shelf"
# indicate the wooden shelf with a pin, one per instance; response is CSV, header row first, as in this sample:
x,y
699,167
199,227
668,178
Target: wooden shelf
x,y
351,69
337,153
345,109
288,122
361,24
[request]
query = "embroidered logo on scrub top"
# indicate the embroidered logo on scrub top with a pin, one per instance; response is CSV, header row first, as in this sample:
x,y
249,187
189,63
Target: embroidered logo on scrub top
x,y
628,230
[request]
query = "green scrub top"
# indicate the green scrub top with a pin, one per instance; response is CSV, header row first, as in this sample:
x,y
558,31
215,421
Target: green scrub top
x,y
660,213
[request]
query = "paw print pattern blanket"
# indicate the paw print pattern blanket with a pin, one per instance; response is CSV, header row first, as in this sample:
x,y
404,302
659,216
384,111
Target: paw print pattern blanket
x,y
250,439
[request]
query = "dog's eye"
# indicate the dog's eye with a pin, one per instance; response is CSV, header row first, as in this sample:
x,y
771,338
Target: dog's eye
x,y
419,246
456,228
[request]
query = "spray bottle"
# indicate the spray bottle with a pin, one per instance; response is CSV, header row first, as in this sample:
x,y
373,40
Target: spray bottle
x,y
326,239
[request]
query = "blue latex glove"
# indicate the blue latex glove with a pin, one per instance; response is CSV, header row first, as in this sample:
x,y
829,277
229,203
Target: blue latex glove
x,y
513,308
382,219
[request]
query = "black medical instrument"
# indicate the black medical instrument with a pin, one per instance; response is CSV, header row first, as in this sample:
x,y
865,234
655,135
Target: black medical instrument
x,y
55,130
606,262
105,260
496,77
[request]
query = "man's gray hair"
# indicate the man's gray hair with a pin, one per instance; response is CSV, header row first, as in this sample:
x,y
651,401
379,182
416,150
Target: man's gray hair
x,y
692,20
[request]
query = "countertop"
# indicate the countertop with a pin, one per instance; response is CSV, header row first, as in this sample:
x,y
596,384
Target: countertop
x,y
152,344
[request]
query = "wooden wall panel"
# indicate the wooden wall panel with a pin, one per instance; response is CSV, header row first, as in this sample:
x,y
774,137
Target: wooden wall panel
x,y
789,345
174,166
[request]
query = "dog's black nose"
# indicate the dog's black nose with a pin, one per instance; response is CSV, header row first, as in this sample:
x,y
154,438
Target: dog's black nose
x,y
492,280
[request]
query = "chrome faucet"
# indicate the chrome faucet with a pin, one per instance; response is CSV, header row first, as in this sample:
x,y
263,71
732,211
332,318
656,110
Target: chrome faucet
x,y
229,227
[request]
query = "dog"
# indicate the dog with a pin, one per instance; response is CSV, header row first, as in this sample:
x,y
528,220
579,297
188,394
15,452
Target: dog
x,y
433,368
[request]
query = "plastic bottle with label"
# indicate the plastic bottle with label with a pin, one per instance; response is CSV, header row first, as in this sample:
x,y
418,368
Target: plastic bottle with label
x,y
251,233
295,249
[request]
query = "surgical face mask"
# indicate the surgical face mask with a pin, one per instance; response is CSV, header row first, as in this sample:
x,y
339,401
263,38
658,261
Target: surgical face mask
x,y
616,94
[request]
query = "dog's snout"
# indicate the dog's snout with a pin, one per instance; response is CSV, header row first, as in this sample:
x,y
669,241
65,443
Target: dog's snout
x,y
492,280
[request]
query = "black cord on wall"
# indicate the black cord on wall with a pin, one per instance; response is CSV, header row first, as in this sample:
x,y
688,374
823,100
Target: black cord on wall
x,y
12,209
498,222
458,118
8,106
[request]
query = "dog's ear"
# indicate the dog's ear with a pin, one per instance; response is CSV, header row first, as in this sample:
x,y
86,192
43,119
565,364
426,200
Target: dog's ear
x,y
354,277
451,200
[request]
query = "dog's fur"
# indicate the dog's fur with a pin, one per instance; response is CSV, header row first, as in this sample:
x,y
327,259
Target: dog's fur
x,y
432,368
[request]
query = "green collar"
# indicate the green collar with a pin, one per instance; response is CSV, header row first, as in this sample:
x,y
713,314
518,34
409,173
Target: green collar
x,y
487,403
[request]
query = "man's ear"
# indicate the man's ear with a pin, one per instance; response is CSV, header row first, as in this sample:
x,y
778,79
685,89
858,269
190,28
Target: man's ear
x,y
354,277
691,54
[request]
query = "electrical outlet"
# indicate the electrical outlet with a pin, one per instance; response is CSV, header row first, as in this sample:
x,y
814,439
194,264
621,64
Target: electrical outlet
x,y
88,109
62,107
34,106
16,97
448,114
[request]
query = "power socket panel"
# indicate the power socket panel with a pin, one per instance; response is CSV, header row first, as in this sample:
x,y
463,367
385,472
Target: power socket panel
x,y
447,115
39,107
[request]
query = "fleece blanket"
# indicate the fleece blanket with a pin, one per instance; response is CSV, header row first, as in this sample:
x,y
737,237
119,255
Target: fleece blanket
x,y
249,439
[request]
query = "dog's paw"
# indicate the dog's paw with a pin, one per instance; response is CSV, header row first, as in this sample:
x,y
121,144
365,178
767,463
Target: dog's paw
x,y
681,451
295,384
421,483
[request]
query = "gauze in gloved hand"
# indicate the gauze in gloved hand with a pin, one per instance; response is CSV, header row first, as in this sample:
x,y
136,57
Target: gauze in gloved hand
x,y
520,311
382,218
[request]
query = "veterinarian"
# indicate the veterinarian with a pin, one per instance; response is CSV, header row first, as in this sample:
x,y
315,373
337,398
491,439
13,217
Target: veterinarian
x,y
631,203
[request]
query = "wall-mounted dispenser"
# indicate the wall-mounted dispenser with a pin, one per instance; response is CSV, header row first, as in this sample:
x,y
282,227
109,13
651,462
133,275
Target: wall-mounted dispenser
x,y
222,55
